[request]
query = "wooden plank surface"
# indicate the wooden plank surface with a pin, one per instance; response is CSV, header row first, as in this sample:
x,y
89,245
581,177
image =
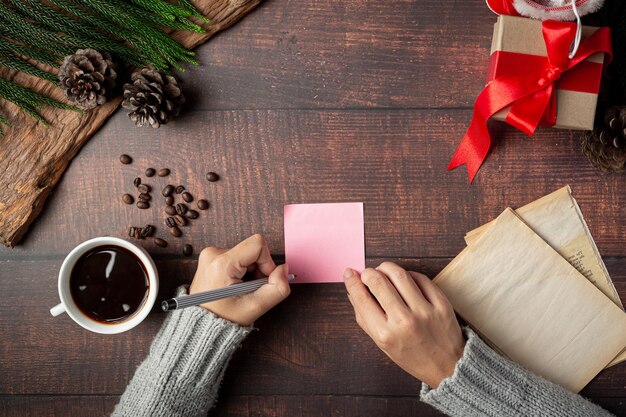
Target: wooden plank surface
x,y
300,102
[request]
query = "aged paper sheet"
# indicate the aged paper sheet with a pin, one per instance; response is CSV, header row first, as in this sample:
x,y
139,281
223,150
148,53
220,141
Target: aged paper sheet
x,y
557,219
535,307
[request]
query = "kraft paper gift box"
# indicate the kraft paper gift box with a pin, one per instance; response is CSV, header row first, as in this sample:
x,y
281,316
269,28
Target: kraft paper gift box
x,y
518,42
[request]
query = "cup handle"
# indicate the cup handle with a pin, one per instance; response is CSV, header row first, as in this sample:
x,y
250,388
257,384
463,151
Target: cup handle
x,y
57,310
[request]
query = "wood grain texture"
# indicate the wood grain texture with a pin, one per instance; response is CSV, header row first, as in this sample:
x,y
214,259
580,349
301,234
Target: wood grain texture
x,y
303,102
309,344
33,157
392,160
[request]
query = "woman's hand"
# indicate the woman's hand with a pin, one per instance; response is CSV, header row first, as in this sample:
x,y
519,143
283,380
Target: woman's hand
x,y
409,318
220,267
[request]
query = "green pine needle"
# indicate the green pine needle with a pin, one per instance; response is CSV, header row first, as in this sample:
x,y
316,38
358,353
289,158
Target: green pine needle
x,y
32,31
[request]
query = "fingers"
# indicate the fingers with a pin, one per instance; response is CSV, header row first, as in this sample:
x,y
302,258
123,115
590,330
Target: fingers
x,y
275,291
431,292
370,312
384,292
404,284
251,251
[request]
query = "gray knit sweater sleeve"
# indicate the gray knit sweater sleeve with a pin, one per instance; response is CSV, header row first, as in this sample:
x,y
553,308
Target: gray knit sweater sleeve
x,y
182,373
486,384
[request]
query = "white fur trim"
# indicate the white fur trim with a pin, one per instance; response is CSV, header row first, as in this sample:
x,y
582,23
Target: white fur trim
x,y
555,10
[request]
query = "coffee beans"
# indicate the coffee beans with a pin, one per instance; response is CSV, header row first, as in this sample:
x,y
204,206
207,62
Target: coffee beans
x,y
168,190
203,204
180,220
160,242
178,213
187,197
181,208
141,232
128,199
148,230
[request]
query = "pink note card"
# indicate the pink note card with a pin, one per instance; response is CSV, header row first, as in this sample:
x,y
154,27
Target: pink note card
x,y
321,240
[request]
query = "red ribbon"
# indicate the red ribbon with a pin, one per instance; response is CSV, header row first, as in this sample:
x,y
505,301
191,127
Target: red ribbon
x,y
529,92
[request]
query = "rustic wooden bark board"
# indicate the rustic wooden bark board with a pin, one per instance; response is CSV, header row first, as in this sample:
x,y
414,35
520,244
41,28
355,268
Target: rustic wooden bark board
x,y
33,157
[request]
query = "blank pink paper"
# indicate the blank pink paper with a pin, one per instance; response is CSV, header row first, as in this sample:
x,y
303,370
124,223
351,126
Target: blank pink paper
x,y
321,240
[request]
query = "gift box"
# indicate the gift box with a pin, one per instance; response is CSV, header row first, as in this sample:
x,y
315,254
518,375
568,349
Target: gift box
x,y
532,81
518,46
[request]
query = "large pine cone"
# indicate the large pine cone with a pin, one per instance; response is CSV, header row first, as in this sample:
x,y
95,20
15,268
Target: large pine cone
x,y
153,98
606,146
88,77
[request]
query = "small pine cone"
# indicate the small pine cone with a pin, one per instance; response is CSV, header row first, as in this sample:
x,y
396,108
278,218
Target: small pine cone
x,y
605,146
88,77
153,98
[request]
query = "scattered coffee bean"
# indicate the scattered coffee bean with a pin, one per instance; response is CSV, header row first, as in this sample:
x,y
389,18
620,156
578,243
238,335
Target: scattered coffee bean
x,y
192,214
148,230
150,172
168,190
187,250
135,232
175,231
169,200
212,177
143,204
128,199
203,204
170,222
170,210
180,220
180,189
144,188
187,197
160,242
145,197
125,159
181,208
164,172
137,182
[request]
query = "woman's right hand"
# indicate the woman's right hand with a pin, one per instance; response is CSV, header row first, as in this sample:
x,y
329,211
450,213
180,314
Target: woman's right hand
x,y
409,318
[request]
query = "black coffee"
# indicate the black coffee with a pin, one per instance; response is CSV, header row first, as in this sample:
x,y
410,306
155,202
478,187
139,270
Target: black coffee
x,y
109,284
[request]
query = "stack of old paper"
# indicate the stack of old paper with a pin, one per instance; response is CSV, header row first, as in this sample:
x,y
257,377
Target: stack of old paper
x,y
534,286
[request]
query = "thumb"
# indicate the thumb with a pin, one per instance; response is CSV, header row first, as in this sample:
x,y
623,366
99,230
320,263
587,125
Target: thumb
x,y
276,290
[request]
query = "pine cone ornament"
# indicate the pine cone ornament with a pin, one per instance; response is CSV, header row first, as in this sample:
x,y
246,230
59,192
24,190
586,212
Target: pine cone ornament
x,y
606,146
153,98
88,77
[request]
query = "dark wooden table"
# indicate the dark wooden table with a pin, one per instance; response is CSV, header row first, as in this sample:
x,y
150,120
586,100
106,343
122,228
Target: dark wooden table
x,y
300,102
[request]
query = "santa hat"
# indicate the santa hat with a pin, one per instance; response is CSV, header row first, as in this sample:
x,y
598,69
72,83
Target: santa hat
x,y
544,9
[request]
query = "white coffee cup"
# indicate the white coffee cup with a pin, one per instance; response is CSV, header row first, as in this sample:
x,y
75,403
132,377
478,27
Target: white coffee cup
x,y
68,305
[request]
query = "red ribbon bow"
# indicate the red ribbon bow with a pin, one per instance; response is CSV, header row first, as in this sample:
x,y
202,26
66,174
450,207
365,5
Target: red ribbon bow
x,y
530,92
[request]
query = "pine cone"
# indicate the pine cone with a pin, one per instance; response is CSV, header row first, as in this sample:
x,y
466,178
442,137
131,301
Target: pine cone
x,y
605,146
88,77
153,98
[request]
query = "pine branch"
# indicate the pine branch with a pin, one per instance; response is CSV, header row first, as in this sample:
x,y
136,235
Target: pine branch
x,y
186,4
8,60
3,121
29,100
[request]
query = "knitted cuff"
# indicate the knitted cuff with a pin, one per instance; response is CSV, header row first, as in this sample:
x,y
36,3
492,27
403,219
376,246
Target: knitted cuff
x,y
187,360
486,384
